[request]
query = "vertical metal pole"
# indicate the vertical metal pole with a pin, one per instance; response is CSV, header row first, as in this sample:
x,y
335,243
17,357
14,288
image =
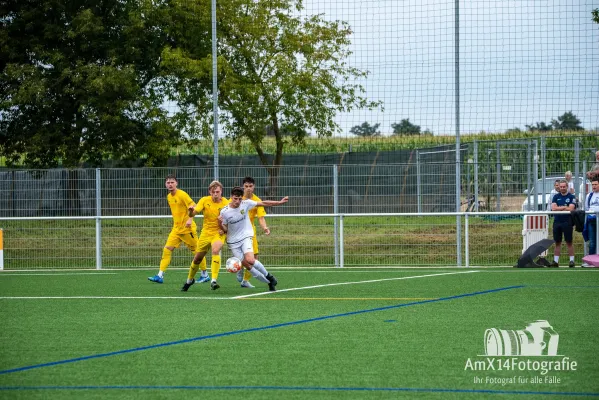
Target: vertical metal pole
x,y
577,167
336,211
98,220
583,196
498,172
1,249
418,182
476,175
528,173
341,255
214,90
458,220
543,167
596,230
583,192
466,241
535,174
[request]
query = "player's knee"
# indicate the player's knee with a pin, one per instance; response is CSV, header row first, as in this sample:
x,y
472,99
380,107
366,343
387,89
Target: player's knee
x,y
249,259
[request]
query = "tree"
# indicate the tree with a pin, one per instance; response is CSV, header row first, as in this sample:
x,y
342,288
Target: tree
x,y
405,128
513,130
539,127
79,82
365,130
275,68
567,122
595,14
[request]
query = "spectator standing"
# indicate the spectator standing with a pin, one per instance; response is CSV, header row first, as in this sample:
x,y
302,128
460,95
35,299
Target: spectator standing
x,y
562,223
591,204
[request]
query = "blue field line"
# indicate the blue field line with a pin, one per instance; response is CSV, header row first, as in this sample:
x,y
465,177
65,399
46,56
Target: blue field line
x,y
303,388
565,286
262,328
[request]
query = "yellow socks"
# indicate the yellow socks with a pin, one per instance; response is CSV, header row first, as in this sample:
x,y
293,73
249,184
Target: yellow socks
x,y
166,259
193,270
215,266
246,275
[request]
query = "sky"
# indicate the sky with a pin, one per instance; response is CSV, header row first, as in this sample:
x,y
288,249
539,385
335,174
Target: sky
x,y
521,62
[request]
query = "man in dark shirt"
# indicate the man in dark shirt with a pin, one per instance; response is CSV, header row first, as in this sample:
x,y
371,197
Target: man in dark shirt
x,y
562,223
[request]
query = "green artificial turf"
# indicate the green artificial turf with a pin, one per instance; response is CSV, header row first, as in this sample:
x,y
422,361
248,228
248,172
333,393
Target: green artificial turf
x,y
351,333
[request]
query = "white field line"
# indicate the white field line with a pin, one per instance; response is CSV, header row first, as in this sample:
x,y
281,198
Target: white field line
x,y
110,298
352,283
58,274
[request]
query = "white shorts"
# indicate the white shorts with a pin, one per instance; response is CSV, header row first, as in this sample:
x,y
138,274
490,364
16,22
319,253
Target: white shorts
x,y
240,248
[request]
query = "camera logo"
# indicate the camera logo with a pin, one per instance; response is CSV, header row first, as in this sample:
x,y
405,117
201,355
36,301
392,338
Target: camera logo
x,y
537,339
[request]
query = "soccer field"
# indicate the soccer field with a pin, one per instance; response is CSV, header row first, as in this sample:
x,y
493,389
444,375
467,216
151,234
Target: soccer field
x,y
325,334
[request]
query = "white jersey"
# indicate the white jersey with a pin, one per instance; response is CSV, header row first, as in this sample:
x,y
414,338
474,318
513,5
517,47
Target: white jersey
x,y
238,222
592,202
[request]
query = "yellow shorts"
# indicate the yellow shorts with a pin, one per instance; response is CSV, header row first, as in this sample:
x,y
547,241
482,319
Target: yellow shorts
x,y
206,240
255,243
190,240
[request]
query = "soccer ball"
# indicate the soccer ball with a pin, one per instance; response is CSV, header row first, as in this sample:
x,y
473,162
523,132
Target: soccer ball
x,y
233,265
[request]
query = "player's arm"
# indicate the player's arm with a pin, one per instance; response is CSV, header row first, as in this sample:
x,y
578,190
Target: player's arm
x,y
194,209
272,203
262,222
190,205
554,206
221,224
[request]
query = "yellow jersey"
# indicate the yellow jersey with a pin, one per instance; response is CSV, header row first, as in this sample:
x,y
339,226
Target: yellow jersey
x,y
179,204
256,211
211,211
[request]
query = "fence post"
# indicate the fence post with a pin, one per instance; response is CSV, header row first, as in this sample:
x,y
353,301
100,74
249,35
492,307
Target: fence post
x,y
476,175
418,182
528,176
98,220
336,211
466,241
1,249
536,173
498,172
543,167
341,262
583,196
577,166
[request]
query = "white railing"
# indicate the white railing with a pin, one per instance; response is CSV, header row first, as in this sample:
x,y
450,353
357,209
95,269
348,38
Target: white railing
x,y
317,240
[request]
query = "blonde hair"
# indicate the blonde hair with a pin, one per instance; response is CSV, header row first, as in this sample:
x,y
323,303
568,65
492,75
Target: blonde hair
x,y
213,184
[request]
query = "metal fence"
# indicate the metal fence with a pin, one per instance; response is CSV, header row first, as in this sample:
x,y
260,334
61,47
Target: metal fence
x,y
495,176
315,240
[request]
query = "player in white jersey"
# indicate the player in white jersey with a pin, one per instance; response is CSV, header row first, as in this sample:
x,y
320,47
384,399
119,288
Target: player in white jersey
x,y
235,222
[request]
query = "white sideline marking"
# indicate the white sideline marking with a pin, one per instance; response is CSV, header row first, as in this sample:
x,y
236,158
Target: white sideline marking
x,y
110,298
352,283
56,274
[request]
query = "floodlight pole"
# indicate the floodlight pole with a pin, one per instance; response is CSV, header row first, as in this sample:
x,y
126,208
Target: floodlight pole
x,y
214,90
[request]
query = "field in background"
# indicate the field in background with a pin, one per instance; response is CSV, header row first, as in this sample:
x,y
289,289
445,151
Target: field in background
x,y
326,334
296,241
314,145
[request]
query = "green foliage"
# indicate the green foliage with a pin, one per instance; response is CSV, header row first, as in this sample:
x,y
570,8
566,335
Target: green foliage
x,y
312,145
595,13
539,127
365,130
79,82
405,128
567,122
275,69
